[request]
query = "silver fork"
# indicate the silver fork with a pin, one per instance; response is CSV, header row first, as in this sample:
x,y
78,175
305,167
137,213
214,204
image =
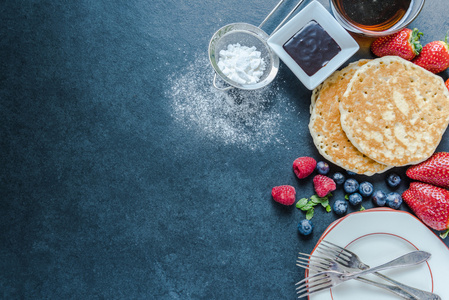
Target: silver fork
x,y
350,260
318,264
327,279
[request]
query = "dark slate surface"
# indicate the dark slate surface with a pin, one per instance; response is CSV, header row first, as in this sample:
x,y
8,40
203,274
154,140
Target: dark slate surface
x,y
126,176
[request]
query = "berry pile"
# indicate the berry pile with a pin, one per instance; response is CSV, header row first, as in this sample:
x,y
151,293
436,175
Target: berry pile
x,y
324,184
433,57
428,197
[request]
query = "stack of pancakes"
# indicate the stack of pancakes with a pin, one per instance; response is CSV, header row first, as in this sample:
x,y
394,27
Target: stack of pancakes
x,y
377,114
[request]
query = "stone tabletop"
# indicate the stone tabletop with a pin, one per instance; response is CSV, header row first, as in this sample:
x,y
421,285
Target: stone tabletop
x,y
126,175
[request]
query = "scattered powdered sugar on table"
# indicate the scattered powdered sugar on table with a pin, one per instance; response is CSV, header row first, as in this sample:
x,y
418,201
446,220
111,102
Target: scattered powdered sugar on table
x,y
238,117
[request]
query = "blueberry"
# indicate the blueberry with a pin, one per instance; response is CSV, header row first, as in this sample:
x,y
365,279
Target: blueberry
x,y
322,167
339,178
366,189
355,199
351,185
393,180
350,173
379,198
340,207
305,227
394,200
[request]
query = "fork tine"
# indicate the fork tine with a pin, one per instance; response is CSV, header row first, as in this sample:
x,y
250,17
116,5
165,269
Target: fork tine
x,y
332,244
333,254
314,291
311,257
314,286
323,264
325,249
311,277
314,258
336,248
312,267
313,261
314,283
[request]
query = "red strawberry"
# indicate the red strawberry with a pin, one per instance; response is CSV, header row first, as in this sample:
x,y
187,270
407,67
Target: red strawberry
x,y
404,43
304,166
284,194
447,84
323,185
429,203
434,170
434,56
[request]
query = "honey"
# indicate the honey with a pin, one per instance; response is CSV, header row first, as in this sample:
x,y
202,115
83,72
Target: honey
x,y
374,15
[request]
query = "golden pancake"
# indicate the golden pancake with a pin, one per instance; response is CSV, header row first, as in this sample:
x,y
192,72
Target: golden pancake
x,y
394,111
325,126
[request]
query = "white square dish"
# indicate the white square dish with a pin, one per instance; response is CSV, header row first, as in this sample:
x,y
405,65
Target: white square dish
x,y
313,12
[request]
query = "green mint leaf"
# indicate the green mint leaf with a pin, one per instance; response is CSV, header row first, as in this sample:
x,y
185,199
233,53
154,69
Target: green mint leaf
x,y
362,208
315,199
328,208
308,206
301,202
347,197
309,213
444,234
320,200
325,203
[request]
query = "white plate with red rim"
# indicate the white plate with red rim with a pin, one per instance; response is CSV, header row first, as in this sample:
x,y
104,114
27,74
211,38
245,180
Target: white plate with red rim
x,y
379,235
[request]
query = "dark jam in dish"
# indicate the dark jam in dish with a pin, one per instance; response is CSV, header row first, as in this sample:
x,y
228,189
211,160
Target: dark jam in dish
x,y
311,47
373,15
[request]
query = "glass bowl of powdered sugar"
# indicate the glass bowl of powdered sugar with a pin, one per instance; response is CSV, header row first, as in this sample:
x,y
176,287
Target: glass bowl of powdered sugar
x,y
241,57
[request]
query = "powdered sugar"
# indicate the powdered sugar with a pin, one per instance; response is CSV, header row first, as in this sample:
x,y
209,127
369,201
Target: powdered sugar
x,y
238,117
241,64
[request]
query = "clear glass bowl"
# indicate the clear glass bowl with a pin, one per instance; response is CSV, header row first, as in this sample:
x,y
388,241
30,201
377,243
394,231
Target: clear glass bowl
x,y
246,35
412,13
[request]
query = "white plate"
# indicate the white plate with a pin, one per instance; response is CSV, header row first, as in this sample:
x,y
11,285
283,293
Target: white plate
x,y
313,11
379,235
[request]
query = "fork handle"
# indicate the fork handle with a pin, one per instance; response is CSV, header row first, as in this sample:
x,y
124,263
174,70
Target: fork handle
x,y
409,259
419,294
391,288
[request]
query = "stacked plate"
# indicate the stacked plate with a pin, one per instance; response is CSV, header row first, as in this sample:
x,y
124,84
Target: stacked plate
x,y
379,235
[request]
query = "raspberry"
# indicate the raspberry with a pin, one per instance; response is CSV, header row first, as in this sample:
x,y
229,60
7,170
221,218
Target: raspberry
x,y
284,194
323,185
304,166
